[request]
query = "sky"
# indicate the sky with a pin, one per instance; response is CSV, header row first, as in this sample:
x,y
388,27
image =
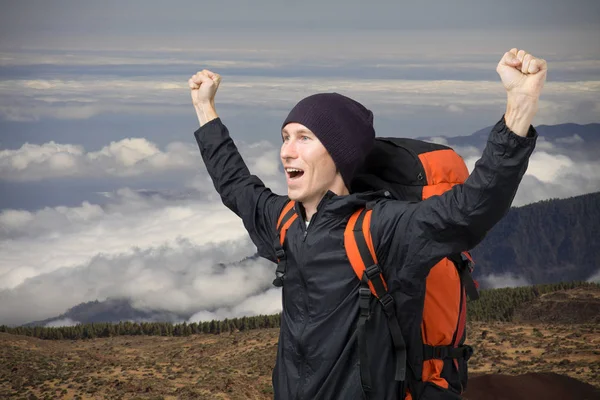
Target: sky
x,y
102,189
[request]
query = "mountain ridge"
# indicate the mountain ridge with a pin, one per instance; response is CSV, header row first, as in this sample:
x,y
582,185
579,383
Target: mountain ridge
x,y
111,310
545,242
564,134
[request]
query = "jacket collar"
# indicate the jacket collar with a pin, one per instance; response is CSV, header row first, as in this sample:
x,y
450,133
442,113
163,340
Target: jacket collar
x,y
331,203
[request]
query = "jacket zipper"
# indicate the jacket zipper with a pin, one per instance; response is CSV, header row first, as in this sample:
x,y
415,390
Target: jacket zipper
x,y
300,392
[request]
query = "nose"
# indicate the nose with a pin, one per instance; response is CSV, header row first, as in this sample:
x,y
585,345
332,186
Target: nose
x,y
288,150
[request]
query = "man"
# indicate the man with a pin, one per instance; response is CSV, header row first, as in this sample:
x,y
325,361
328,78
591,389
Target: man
x,y
325,137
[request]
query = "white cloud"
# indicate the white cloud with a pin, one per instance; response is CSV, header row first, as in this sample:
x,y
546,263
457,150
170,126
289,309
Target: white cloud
x,y
496,281
595,277
163,250
61,322
557,176
549,175
266,303
548,168
179,255
126,158
53,238
455,109
440,140
544,144
575,106
8,59
183,278
570,140
24,100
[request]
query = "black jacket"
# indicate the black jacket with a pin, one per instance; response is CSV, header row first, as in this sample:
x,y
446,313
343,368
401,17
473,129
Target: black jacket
x,y
317,356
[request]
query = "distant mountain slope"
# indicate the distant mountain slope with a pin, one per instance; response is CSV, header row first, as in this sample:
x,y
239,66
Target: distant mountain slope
x,y
576,306
563,133
111,310
546,242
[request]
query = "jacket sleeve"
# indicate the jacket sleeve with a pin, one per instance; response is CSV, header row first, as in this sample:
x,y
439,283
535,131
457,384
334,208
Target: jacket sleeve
x,y
418,235
242,193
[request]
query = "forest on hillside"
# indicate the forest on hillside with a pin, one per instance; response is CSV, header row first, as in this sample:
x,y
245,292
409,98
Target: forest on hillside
x,y
546,242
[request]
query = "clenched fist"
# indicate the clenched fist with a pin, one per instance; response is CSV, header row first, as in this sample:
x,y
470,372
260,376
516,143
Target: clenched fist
x,y
522,73
523,77
204,86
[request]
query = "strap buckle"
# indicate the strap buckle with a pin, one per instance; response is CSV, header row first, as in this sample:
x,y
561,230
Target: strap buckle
x,y
387,301
281,268
278,282
440,352
364,294
373,272
280,254
279,275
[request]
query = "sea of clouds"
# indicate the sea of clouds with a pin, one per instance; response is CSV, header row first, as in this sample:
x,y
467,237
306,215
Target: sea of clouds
x,y
180,249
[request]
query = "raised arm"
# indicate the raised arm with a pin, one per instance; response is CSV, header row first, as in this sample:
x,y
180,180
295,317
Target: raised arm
x,y
418,235
244,194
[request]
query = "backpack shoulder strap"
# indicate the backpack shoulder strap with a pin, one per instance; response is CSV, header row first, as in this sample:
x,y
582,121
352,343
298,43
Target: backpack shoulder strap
x,y
361,253
362,257
464,264
286,218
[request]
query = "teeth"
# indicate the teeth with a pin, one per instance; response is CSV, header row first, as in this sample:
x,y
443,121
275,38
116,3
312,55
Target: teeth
x,y
293,170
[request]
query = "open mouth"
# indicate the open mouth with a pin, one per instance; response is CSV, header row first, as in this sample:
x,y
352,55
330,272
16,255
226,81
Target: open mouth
x,y
294,173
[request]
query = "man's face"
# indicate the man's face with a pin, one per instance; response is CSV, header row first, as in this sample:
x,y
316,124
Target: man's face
x,y
310,170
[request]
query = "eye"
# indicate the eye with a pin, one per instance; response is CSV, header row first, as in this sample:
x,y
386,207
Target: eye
x,y
285,138
305,138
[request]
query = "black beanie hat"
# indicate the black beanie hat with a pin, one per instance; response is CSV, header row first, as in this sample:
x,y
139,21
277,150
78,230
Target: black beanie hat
x,y
343,125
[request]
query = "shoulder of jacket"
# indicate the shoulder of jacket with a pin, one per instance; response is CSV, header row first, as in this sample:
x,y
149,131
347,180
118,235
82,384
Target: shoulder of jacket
x,y
386,213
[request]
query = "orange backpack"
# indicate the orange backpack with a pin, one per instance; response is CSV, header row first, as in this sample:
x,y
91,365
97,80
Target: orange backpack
x,y
410,170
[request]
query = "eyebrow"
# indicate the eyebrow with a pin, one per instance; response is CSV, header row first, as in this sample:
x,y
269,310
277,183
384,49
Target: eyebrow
x,y
284,132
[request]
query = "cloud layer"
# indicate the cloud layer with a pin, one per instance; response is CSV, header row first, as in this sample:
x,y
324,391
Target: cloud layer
x,y
183,256
507,280
31,100
125,158
180,252
554,171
